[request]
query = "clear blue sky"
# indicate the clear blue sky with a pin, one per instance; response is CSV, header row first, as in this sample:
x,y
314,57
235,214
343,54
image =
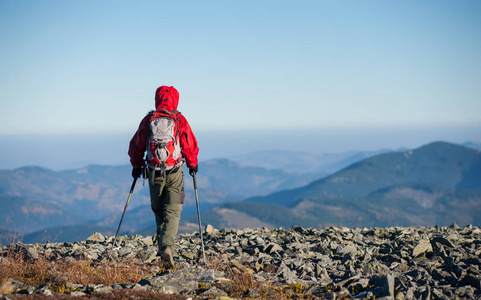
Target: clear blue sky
x,y
93,66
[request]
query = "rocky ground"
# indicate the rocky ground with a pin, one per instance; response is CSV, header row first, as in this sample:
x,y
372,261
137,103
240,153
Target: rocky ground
x,y
331,263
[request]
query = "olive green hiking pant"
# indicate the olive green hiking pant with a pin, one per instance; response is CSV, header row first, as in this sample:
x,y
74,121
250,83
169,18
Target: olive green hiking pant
x,y
166,195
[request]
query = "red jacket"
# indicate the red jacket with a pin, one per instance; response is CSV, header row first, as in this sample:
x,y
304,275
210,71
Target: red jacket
x,y
168,98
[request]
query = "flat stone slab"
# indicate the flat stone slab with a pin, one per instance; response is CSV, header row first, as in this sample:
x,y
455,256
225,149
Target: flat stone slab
x,y
182,281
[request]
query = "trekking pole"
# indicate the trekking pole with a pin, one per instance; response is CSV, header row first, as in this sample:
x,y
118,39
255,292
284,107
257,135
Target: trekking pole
x,y
123,214
198,217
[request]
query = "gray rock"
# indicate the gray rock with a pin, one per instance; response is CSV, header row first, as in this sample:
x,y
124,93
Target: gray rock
x,y
253,293
44,289
96,237
286,273
349,249
389,284
28,290
87,289
147,254
183,281
474,281
74,286
139,287
422,247
251,250
209,229
32,253
383,286
147,241
207,277
272,247
424,293
102,289
443,241
465,292
213,291
45,292
454,226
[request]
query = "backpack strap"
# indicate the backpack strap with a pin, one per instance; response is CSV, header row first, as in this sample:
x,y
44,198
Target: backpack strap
x,y
174,115
168,112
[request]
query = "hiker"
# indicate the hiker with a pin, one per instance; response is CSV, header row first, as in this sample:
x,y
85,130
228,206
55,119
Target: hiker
x,y
168,139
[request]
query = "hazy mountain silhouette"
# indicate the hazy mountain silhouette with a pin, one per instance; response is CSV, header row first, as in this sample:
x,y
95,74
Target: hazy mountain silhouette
x,y
71,233
26,215
441,163
304,162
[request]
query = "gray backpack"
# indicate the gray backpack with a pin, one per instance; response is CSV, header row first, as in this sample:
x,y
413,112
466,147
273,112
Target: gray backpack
x,y
163,142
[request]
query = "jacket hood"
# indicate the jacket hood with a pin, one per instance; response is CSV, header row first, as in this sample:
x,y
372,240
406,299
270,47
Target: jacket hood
x,y
166,97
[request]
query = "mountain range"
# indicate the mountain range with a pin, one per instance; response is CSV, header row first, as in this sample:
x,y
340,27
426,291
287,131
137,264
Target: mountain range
x,y
441,163
35,198
438,183
305,162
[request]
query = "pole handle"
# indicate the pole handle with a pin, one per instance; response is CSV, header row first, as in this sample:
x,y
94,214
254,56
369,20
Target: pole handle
x,y
133,185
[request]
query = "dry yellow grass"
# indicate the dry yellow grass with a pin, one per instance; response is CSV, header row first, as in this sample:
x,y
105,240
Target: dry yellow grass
x,y
59,272
241,280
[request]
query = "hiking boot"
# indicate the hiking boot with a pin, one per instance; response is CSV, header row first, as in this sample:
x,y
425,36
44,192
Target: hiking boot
x,y
167,258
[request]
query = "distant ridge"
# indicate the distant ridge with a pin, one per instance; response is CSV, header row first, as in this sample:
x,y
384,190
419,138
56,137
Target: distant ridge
x,y
304,162
72,233
27,215
442,163
472,145
8,236
423,204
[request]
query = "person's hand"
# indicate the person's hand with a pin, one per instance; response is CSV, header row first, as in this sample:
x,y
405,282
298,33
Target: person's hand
x,y
136,172
193,170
